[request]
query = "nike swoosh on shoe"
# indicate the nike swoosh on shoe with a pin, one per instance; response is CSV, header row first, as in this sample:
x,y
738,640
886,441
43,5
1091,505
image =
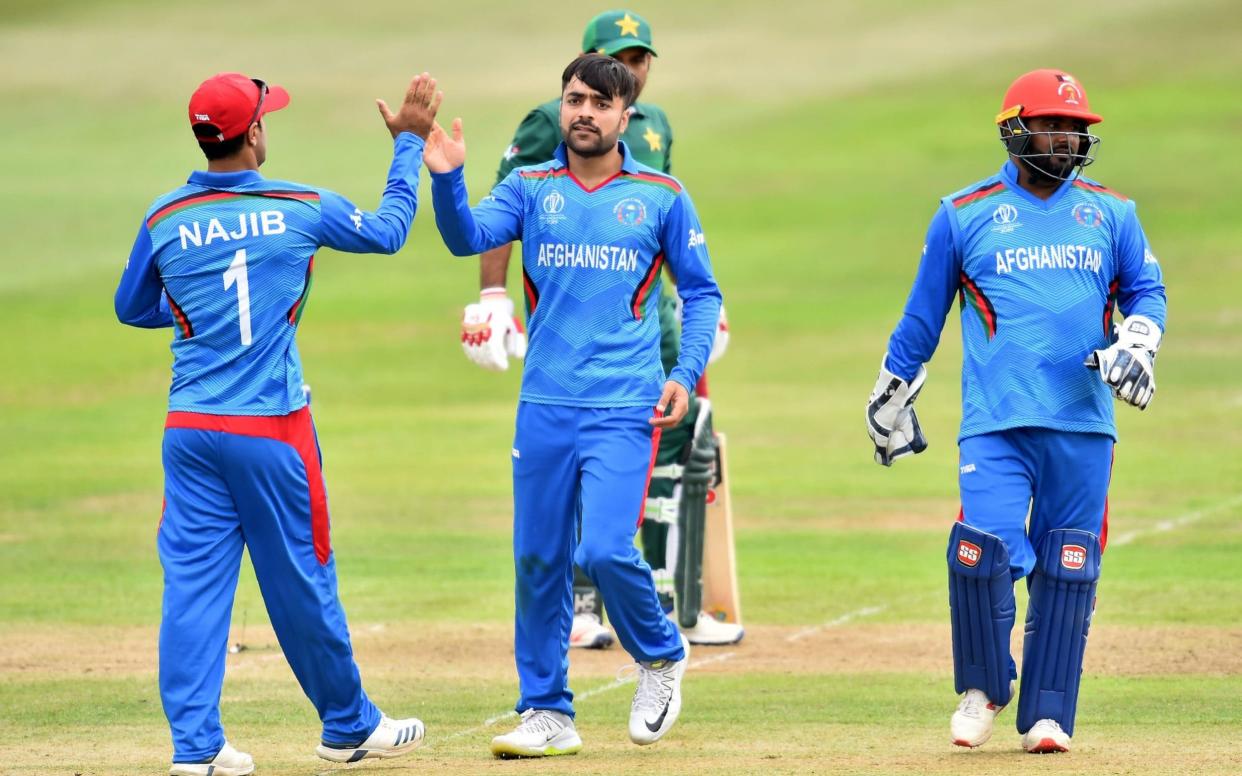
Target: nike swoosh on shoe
x,y
654,727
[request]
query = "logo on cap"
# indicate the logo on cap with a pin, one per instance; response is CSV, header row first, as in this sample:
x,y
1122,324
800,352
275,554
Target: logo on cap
x,y
968,553
628,25
1068,89
1073,556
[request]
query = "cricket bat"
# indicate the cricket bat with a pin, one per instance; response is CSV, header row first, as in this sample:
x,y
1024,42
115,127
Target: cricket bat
x,y
720,596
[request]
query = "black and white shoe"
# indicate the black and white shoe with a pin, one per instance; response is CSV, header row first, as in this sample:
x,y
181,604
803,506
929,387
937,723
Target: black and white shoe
x,y
541,733
657,701
391,738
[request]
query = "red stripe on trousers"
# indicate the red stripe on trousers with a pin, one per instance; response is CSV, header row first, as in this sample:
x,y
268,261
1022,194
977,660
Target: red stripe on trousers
x,y
1104,527
655,448
295,430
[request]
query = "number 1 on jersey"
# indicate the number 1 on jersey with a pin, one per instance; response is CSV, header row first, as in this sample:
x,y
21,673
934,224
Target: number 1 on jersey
x,y
236,273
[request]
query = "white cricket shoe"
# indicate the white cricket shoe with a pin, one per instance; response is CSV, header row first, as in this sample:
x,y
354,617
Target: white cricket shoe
x,y
712,632
227,762
657,701
541,733
589,633
1046,737
391,738
972,722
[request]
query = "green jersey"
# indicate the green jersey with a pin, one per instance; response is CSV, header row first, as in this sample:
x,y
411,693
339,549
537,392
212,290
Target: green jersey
x,y
649,137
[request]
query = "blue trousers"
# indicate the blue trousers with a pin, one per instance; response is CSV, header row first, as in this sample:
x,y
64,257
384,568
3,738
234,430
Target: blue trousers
x,y
252,481
572,463
1060,478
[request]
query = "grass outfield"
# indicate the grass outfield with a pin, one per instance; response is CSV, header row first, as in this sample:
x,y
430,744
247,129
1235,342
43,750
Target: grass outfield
x,y
815,140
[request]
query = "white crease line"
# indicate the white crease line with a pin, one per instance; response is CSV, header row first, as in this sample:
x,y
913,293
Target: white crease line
x,y
1164,526
620,682
866,611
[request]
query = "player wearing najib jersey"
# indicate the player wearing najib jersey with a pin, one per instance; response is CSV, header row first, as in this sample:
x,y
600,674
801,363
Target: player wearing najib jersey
x,y
227,262
595,227
1038,259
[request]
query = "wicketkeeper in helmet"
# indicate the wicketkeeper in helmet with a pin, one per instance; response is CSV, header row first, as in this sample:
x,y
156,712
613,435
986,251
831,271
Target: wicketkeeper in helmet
x,y
1039,259
673,526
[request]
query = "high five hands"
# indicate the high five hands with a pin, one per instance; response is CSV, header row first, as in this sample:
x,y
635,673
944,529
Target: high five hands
x,y
444,153
417,113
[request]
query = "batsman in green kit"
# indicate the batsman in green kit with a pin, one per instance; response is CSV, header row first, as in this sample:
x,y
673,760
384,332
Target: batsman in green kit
x,y
673,524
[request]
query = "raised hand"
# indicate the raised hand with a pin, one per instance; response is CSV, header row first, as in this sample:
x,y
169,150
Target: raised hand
x,y
417,113
444,153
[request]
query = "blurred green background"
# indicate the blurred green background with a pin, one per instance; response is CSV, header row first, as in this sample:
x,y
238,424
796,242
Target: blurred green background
x,y
815,138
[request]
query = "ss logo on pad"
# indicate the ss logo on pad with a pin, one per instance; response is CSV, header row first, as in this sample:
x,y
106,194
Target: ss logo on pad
x,y
968,554
1073,556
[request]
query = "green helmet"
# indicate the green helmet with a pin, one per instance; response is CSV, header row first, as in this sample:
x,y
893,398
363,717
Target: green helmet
x,y
614,31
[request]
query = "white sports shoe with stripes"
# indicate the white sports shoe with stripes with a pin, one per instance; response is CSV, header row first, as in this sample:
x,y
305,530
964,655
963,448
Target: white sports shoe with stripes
x,y
971,725
391,738
227,762
1046,737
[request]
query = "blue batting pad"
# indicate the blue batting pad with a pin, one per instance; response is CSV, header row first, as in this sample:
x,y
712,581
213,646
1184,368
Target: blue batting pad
x,y
981,606
1057,619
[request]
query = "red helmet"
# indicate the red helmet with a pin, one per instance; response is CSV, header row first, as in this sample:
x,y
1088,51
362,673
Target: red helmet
x,y
1047,93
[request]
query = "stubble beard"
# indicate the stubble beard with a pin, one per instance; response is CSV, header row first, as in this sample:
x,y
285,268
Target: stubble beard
x,y
602,144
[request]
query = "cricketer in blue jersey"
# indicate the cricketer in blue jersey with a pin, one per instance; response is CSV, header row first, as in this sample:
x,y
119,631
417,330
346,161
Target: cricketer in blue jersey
x,y
1038,258
595,227
227,261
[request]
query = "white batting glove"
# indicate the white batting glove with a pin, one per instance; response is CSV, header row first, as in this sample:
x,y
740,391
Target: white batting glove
x,y
891,422
490,332
1128,366
721,343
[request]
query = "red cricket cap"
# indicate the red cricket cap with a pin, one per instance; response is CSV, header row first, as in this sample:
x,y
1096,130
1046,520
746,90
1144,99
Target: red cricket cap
x,y
1047,93
225,105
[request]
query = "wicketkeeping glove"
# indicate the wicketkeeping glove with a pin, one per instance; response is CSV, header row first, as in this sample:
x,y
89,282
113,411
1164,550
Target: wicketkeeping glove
x,y
1128,366
891,422
721,343
490,332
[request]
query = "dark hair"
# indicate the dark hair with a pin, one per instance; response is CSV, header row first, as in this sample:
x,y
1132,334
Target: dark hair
x,y
603,74
220,149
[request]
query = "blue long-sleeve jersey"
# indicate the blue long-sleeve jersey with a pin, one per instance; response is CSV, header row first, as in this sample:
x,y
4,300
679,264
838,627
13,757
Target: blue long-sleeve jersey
x,y
591,264
1037,281
227,261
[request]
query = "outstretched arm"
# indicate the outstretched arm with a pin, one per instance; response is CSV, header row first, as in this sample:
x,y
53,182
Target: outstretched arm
x,y
346,227
496,220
